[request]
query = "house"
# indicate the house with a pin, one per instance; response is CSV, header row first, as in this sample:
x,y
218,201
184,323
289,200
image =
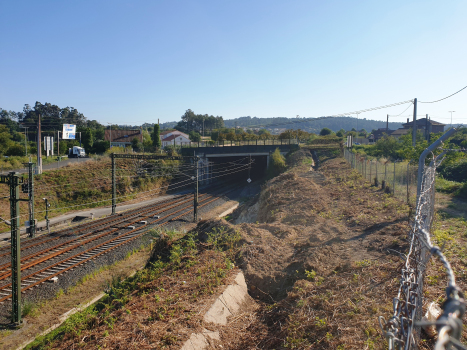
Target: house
x,y
426,126
169,138
122,138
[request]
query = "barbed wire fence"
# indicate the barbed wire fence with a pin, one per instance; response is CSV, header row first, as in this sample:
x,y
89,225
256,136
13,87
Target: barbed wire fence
x,y
403,329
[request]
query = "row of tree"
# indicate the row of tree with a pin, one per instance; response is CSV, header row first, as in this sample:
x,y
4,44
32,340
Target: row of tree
x,y
199,123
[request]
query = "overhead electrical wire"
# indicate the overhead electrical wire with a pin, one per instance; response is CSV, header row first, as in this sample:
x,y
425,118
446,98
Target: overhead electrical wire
x,y
338,115
108,200
445,97
183,182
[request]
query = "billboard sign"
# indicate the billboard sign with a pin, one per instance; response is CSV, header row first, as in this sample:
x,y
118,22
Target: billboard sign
x,y
69,131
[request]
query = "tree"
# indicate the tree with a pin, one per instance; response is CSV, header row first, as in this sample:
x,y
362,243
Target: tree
x,y
101,146
325,132
194,136
135,143
87,139
156,139
340,133
5,139
147,141
388,146
230,136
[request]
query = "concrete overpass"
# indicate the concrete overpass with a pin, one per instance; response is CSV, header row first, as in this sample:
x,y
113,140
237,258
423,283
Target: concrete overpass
x,y
210,157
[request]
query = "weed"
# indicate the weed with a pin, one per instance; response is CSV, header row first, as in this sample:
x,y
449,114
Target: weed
x,y
320,322
59,293
311,275
363,263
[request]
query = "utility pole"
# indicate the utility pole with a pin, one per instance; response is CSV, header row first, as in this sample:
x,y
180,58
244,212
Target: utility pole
x,y
451,116
195,203
387,123
26,138
80,139
39,146
426,127
14,181
30,191
414,131
114,189
58,144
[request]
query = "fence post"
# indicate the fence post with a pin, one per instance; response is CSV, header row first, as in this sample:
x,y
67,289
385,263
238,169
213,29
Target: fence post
x,y
408,197
365,166
394,181
370,173
376,173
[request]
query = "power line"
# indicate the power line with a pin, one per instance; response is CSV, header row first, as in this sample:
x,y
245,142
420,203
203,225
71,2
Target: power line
x,y
339,115
445,97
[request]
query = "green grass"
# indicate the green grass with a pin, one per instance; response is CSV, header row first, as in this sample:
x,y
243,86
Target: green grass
x,y
458,189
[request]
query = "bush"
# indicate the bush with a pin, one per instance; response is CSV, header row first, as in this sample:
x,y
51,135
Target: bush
x,y
15,150
456,171
101,146
276,163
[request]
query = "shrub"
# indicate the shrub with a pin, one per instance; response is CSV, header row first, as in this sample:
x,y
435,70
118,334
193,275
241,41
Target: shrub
x,y
276,163
15,150
456,171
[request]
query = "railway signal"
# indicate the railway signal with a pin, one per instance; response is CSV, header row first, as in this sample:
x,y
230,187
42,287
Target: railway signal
x,y
29,189
14,181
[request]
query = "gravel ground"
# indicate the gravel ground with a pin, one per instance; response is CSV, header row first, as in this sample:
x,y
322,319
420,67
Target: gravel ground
x,y
66,280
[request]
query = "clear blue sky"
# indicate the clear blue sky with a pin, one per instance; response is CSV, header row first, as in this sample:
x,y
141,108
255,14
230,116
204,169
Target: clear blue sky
x,y
130,62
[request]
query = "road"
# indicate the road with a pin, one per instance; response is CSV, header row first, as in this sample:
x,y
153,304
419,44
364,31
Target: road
x,y
51,166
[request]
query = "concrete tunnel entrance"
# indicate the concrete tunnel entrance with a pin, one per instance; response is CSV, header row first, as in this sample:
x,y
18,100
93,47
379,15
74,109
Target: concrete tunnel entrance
x,y
236,168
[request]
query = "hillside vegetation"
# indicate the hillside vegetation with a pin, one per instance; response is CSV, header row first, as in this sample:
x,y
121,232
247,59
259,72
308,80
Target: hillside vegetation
x,y
89,185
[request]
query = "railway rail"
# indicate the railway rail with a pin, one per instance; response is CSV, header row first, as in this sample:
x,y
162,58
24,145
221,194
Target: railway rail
x,y
70,248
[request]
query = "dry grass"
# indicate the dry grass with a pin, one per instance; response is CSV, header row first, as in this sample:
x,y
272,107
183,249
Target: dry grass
x,y
157,308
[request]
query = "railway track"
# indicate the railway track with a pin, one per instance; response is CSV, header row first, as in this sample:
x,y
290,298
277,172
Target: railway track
x,y
94,240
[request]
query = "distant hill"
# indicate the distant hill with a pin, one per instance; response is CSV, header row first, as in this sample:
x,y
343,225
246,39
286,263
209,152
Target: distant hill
x,y
311,124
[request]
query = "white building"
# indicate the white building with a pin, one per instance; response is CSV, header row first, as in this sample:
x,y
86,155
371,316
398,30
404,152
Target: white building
x,y
169,138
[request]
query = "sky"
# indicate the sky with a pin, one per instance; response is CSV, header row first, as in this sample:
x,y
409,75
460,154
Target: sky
x,y
131,62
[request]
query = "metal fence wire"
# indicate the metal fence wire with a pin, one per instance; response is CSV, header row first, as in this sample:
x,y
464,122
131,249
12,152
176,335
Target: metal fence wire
x,y
397,178
403,328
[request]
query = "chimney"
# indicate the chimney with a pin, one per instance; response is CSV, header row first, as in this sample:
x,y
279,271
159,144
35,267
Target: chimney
x,y
407,120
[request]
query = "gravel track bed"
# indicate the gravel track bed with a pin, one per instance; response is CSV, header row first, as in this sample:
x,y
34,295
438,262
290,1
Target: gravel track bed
x,y
66,280
82,247
68,237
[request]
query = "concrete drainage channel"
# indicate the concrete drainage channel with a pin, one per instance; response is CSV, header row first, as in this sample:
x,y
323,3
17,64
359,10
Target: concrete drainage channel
x,y
228,304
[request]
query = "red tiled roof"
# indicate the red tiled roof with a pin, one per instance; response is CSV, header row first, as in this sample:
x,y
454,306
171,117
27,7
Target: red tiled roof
x,y
169,138
119,135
